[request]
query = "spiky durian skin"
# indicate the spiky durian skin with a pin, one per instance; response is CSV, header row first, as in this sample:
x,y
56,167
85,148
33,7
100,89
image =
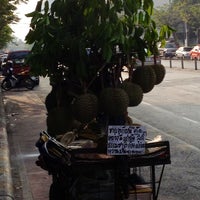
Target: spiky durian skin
x,y
114,101
134,92
85,107
160,73
145,77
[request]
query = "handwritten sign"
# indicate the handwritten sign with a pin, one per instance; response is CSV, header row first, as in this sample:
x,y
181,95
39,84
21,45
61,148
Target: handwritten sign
x,y
126,140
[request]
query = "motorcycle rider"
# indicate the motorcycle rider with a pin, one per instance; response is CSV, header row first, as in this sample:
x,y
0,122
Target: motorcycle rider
x,y
16,77
8,70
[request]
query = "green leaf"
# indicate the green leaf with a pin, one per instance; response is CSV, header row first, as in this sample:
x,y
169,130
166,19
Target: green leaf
x,y
46,7
39,6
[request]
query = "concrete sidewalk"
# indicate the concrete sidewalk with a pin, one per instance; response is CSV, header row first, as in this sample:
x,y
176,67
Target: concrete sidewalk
x,y
26,118
6,184
22,114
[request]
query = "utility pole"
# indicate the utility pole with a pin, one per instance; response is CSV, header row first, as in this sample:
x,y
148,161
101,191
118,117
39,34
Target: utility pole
x,y
198,35
186,34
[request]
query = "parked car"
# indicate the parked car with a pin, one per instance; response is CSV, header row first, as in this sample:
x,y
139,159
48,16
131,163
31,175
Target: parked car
x,y
17,58
195,52
183,52
149,61
169,50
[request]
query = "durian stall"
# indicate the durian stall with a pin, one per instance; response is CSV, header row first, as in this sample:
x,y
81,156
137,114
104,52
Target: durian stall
x,y
83,47
93,149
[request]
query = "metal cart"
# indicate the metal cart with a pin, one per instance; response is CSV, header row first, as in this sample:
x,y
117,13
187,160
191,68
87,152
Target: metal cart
x,y
67,166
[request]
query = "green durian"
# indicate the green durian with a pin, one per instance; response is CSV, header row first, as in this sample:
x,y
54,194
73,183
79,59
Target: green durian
x,y
114,101
134,91
145,77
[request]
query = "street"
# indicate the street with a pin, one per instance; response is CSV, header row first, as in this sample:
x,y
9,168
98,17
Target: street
x,y
181,63
171,110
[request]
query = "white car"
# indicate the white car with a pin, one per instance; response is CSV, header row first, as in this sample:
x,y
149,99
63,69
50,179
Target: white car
x,y
183,52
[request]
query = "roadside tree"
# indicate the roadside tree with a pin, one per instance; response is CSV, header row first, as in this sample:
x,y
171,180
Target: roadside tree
x,y
183,16
7,16
83,47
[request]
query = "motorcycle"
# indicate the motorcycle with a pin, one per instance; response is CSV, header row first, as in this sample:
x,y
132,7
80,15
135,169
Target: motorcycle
x,y
15,81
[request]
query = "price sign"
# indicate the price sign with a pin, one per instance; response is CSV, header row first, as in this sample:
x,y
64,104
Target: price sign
x,y
126,140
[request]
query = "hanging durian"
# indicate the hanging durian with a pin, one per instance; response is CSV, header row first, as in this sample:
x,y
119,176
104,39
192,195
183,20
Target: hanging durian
x,y
58,97
134,92
114,101
50,100
145,77
85,107
160,73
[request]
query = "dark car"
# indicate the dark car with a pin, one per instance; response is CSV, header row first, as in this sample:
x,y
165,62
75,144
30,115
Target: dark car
x,y
17,59
149,60
169,50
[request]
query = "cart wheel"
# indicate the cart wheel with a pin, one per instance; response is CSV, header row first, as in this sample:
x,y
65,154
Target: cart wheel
x,y
56,192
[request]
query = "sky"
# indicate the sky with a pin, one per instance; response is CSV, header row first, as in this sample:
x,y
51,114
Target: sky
x,y
22,27
158,3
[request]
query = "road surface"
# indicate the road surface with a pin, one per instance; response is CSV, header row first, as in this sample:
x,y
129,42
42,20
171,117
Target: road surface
x,y
171,110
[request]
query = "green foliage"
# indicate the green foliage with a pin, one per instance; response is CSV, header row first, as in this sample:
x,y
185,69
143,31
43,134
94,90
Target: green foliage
x,y
189,12
7,10
5,36
177,14
83,35
7,16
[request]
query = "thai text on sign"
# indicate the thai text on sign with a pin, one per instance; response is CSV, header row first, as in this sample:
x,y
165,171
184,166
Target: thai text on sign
x,y
126,140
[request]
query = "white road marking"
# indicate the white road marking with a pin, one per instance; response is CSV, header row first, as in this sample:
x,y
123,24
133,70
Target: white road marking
x,y
166,111
167,135
190,120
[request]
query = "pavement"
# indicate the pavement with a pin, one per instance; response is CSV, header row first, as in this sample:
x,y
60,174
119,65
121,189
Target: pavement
x,y
21,121
6,189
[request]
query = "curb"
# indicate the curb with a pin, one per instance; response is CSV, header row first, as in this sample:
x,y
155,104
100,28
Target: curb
x,y
6,184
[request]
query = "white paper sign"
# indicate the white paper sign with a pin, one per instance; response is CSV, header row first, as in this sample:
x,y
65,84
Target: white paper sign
x,y
126,140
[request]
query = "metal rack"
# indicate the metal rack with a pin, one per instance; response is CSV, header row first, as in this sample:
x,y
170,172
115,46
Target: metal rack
x,y
66,164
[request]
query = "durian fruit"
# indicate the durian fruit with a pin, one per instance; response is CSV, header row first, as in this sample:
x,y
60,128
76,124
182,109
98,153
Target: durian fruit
x,y
50,100
134,92
160,72
57,97
85,107
114,101
59,121
145,77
